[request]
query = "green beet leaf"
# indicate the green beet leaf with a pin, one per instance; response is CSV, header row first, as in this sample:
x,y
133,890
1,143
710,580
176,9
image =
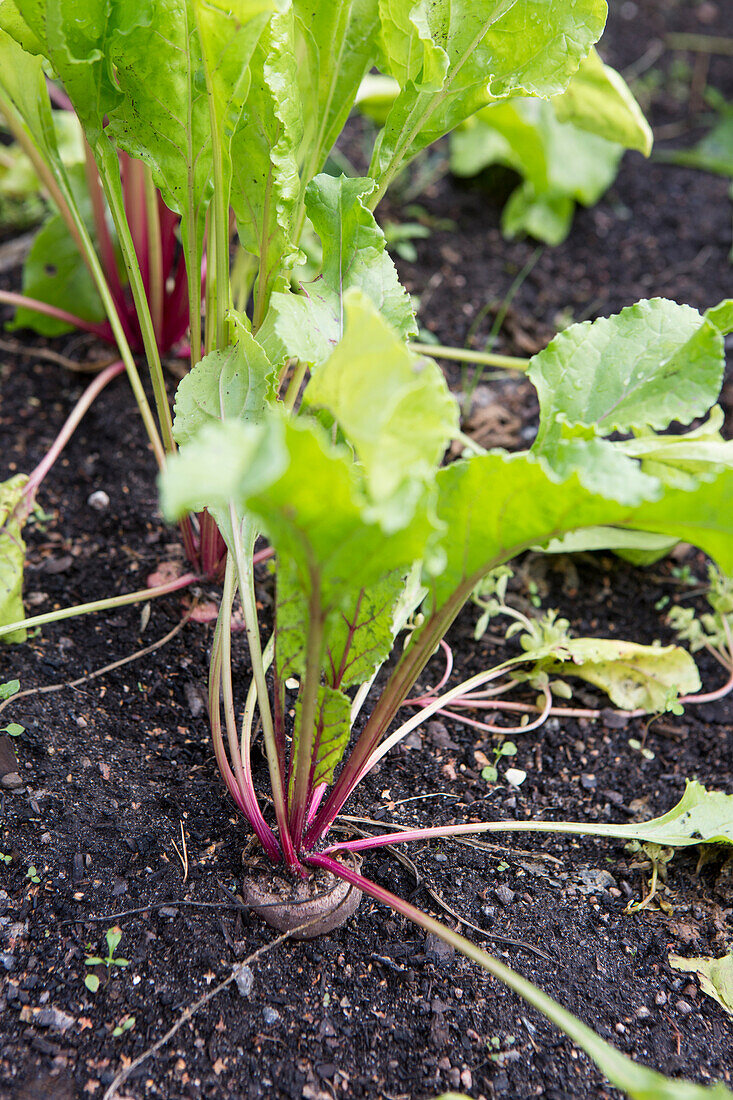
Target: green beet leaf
x,y
309,325
654,362
234,384
635,677
55,273
451,58
266,183
722,315
338,40
682,461
12,557
497,505
393,406
599,100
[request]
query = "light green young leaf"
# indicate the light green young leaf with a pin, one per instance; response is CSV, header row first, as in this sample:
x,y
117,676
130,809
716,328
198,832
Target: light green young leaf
x,y
55,273
681,461
722,315
497,505
309,325
599,100
635,677
715,976
12,556
393,406
329,84
235,384
451,58
654,362
266,183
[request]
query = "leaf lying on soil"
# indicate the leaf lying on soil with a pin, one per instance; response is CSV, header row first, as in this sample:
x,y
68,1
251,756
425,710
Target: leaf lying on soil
x,y
716,977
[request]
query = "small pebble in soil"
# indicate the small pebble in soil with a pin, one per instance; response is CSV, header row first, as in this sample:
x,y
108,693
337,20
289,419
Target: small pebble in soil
x,y
683,1007
270,1015
11,781
7,961
504,895
643,1013
99,501
660,998
244,979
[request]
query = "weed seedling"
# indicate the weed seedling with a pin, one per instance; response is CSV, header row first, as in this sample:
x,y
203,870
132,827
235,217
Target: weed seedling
x,y
113,937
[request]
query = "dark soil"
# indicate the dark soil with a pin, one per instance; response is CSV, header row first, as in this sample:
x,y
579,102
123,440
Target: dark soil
x,y
112,768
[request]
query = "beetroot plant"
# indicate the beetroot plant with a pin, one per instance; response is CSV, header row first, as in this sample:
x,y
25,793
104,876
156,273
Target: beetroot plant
x,y
374,539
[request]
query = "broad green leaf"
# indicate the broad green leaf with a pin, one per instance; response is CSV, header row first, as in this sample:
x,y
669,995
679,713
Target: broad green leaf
x,y
604,468
228,31
635,677
654,362
309,325
357,639
16,25
308,496
560,163
722,315
332,731
681,461
323,521
211,469
22,80
339,45
12,556
599,100
715,976
451,58
76,39
162,116
266,184
54,271
234,384
613,538
497,505
393,406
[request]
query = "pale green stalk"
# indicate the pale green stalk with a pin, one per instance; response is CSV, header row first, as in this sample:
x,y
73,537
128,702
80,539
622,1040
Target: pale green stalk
x,y
464,355
99,605
245,574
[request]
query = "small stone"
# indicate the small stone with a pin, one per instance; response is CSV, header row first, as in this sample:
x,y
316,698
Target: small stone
x,y
439,735
244,979
7,961
438,951
270,1015
454,1077
99,501
46,838
466,1078
588,782
643,1013
620,1028
660,998
684,1007
11,781
47,1017
12,992
504,895
77,868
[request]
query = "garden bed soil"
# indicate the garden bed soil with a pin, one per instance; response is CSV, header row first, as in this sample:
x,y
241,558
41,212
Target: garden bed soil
x,y
112,769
